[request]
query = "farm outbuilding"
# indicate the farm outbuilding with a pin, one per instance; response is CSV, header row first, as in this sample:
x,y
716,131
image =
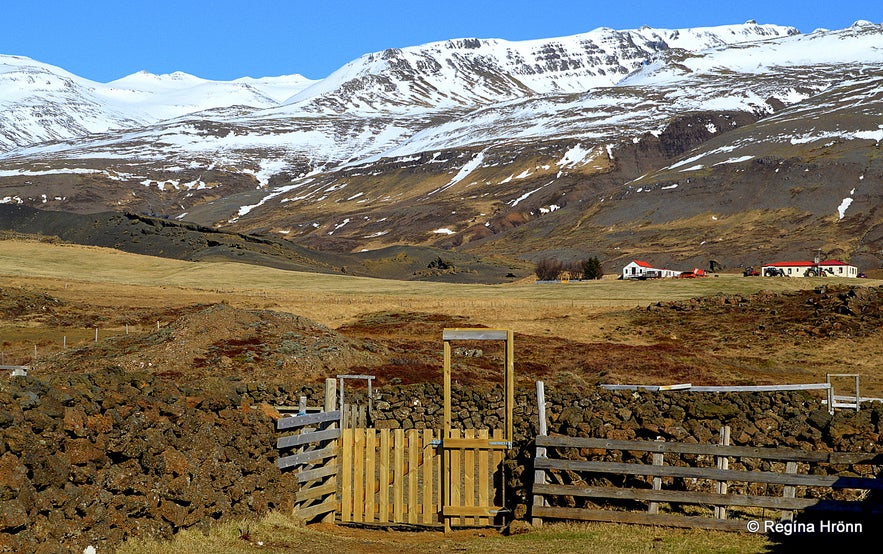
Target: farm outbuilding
x,y
638,269
832,268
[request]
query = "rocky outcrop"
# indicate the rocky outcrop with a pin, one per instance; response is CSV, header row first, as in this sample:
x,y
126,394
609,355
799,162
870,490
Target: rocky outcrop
x,y
95,459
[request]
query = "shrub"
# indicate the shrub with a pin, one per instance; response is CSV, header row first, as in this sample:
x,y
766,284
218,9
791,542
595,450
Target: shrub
x,y
548,269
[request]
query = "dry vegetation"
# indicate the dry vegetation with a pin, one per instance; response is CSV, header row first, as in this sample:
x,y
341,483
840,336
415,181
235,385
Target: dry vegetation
x,y
182,318
280,534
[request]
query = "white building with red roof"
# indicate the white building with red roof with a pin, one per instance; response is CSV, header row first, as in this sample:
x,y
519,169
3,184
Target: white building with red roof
x,y
638,269
827,268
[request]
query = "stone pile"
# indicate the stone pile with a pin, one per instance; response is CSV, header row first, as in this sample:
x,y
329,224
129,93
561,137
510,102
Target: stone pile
x,y
94,459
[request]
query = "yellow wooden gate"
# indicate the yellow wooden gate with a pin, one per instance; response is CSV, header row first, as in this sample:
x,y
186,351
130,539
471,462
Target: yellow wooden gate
x,y
473,478
391,476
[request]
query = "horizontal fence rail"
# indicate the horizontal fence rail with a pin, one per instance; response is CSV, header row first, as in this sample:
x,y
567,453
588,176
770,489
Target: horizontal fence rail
x,y
632,491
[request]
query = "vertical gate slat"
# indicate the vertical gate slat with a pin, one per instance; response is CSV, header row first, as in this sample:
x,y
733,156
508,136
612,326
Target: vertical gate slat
x,y
440,483
454,473
413,471
346,475
359,475
469,476
370,477
428,486
497,463
398,489
383,474
485,483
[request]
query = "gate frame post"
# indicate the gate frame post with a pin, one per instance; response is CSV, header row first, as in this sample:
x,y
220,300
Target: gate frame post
x,y
453,334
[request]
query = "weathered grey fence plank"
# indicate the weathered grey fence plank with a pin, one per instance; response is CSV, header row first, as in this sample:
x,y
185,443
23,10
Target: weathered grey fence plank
x,y
315,436
668,520
309,456
713,474
714,499
309,419
307,475
779,454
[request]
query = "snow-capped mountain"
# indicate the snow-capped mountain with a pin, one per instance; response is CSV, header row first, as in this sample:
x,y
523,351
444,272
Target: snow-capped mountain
x,y
40,102
473,72
435,77
464,143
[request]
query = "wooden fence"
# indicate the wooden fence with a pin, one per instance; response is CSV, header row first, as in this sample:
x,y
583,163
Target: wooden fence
x,y
312,440
630,490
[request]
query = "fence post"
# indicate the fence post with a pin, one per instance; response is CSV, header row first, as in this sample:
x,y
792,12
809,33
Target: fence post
x,y
658,460
539,475
720,512
789,491
330,395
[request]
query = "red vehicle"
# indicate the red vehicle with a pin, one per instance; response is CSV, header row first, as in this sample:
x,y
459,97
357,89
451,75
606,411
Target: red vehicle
x,y
750,272
696,272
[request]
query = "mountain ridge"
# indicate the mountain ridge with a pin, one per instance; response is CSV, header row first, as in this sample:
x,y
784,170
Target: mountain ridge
x,y
495,159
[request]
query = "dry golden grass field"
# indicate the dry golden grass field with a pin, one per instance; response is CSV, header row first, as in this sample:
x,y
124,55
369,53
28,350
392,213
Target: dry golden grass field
x,y
719,330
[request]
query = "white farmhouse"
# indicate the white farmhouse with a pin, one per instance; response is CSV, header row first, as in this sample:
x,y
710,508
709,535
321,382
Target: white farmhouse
x,y
642,270
828,268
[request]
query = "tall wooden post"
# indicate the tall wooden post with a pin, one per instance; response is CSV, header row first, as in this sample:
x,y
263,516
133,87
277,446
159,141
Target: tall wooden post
x,y
330,394
539,475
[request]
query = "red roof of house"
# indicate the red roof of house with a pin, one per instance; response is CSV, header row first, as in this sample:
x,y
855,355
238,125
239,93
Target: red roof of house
x,y
642,264
792,264
805,263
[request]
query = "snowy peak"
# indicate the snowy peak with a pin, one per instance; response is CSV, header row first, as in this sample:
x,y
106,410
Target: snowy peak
x,y
149,84
854,46
40,102
468,72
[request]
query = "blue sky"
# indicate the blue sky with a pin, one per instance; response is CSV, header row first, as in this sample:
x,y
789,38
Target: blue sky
x,y
104,40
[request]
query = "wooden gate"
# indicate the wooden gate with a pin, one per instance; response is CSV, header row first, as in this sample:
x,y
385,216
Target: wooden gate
x,y
474,480
392,476
389,476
